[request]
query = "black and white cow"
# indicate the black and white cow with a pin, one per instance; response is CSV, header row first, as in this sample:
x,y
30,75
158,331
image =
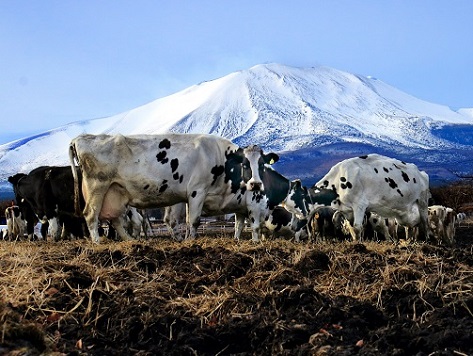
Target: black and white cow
x,y
387,186
16,224
281,222
174,218
377,225
48,192
261,208
208,172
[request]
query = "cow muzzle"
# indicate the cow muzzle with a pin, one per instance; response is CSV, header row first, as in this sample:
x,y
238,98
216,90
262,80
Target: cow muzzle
x,y
255,186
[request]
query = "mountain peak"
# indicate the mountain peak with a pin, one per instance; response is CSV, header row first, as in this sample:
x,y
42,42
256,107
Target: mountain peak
x,y
279,107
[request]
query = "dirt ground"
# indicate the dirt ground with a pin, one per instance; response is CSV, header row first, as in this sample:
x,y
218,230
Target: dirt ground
x,y
212,296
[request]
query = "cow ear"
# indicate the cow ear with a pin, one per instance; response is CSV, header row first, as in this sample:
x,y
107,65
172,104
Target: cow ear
x,y
236,156
14,179
296,183
270,158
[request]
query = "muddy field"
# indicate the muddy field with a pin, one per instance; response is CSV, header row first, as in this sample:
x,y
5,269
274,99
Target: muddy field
x,y
212,296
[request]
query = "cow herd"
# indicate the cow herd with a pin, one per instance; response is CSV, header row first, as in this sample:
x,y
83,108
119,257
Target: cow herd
x,y
192,175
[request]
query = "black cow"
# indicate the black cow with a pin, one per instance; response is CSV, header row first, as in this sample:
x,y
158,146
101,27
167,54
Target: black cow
x,y
49,192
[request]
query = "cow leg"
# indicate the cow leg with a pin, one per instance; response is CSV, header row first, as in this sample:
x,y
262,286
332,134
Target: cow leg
x,y
239,225
44,230
172,219
54,228
30,230
357,228
136,222
255,228
118,225
91,215
194,210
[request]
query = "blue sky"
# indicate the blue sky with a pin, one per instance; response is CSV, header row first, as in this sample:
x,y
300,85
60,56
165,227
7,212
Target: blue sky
x,y
64,61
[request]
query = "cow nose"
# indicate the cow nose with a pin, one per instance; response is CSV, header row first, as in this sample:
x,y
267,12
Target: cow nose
x,y
255,186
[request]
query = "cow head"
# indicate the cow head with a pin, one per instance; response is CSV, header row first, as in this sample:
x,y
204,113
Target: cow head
x,y
14,180
252,161
297,199
321,196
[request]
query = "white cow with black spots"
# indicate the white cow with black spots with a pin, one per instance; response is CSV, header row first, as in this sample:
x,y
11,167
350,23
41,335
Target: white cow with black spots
x,y
387,186
208,172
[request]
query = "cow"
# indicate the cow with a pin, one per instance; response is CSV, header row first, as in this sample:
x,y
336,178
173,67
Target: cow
x,y
387,186
146,171
378,225
16,225
174,218
48,193
460,217
442,223
258,207
133,221
326,223
281,222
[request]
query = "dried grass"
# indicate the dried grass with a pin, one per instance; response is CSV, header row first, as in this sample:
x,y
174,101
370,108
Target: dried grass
x,y
110,289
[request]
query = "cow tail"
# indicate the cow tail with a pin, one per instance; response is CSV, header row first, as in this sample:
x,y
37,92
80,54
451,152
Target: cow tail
x,y
72,158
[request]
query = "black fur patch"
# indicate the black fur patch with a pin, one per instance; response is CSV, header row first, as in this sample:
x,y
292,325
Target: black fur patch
x,y
146,186
364,157
400,193
161,156
217,171
343,179
163,187
233,171
392,183
405,177
174,164
175,176
194,193
376,170
166,144
414,180
181,178
385,169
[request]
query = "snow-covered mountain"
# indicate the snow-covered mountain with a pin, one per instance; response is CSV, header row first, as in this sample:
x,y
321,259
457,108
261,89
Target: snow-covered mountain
x,y
314,117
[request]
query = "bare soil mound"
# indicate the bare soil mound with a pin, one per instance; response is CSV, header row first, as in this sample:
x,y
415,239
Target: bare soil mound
x,y
214,296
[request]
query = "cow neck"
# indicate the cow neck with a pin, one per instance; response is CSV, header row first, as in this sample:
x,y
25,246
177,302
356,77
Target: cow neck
x,y
20,179
276,187
311,198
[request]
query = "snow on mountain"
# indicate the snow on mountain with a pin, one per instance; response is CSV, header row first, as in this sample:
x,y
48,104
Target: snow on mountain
x,y
281,108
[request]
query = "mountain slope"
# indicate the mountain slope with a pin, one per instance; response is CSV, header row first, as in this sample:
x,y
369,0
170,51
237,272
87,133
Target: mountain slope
x,y
304,113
